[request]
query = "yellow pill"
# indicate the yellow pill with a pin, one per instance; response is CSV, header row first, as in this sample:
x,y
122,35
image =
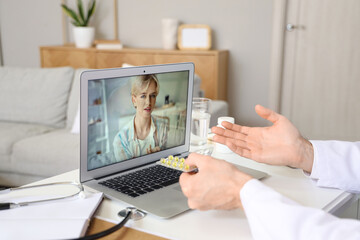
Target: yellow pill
x,y
176,159
175,164
182,160
171,157
168,162
163,160
181,165
187,167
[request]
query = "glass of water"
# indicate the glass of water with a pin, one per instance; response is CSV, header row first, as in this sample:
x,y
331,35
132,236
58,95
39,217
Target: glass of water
x,y
200,121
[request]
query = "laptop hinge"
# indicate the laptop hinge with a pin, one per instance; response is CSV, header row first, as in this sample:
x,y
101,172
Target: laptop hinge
x,y
184,154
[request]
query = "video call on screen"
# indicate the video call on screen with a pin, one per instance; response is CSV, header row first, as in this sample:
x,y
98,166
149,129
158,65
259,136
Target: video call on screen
x,y
134,116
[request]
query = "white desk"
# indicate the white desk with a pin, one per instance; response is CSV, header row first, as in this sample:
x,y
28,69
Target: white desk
x,y
228,224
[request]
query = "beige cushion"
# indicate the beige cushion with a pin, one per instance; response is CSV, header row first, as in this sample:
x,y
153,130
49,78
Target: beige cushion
x,y
12,132
48,154
5,162
35,95
14,179
74,99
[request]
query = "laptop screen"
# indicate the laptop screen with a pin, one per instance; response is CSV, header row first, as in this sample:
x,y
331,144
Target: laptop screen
x,y
133,116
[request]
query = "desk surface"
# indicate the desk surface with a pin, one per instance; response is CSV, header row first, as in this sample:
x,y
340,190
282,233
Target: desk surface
x,y
217,224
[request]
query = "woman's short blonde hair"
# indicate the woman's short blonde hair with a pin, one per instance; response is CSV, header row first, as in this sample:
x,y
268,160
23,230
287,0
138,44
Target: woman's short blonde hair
x,y
144,80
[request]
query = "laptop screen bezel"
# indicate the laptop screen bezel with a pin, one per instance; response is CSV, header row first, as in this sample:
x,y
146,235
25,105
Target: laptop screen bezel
x,y
86,76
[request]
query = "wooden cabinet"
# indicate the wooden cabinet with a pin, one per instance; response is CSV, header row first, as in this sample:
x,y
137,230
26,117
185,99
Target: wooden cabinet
x,y
210,65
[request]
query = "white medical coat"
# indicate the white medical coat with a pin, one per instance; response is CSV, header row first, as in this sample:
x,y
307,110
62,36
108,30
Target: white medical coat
x,y
273,216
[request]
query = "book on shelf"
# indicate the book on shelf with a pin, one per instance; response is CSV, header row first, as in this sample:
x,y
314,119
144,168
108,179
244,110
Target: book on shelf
x,y
108,44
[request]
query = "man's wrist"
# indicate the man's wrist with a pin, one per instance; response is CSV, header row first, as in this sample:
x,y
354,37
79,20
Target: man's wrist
x,y
306,156
240,180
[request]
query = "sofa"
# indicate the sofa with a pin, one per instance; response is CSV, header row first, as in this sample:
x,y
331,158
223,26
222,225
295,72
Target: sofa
x,y
38,126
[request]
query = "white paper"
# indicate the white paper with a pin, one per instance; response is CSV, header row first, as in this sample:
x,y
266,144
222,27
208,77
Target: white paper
x,y
68,218
195,37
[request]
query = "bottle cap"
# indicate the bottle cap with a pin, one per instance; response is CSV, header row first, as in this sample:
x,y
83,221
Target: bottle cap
x,y
226,119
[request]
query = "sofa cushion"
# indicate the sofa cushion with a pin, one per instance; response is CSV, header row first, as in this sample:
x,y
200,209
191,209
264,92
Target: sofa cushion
x,y
35,95
13,132
74,99
48,154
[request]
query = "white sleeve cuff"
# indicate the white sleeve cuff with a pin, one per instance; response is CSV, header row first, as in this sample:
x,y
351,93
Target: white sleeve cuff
x,y
315,169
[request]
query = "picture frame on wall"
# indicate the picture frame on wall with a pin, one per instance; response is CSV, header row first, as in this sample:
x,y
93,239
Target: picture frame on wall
x,y
194,37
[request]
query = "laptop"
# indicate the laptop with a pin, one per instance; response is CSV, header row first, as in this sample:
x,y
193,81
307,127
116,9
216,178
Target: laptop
x,y
130,119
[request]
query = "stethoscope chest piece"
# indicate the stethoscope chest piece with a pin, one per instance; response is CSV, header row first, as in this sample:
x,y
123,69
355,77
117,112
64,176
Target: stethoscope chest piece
x,y
136,214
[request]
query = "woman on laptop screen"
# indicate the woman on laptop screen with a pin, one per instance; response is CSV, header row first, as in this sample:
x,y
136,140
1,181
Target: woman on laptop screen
x,y
145,133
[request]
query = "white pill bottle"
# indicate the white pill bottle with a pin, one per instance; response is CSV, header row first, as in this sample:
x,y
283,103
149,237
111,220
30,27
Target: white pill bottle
x,y
221,148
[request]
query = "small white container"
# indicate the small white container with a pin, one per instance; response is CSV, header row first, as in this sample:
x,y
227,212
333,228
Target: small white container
x,y
221,148
169,33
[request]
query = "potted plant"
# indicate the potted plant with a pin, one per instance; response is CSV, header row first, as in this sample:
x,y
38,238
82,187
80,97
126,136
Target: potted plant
x,y
83,33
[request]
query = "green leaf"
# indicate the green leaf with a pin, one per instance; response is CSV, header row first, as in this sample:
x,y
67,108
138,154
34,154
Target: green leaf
x,y
76,24
71,14
81,11
80,19
90,12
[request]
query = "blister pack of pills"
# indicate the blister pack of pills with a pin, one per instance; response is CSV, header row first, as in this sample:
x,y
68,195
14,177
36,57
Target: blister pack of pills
x,y
176,163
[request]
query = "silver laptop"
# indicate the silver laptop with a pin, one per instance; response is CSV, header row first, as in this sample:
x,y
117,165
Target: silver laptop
x,y
131,118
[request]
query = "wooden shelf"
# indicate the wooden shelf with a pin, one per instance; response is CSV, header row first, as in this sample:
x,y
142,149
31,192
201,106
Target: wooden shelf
x,y
210,65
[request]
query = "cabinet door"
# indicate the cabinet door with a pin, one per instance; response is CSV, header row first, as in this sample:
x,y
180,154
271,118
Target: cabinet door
x,y
110,60
205,65
321,73
51,57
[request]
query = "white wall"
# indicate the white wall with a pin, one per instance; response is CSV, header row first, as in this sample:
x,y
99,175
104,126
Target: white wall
x,y
241,26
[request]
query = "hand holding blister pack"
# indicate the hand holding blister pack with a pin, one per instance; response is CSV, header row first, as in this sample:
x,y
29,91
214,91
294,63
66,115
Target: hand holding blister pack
x,y
176,163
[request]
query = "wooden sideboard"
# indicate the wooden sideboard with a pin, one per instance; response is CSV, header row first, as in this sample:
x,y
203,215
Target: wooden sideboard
x,y
211,65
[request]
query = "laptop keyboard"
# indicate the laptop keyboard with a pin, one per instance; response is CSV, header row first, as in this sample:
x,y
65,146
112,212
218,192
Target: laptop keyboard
x,y
143,181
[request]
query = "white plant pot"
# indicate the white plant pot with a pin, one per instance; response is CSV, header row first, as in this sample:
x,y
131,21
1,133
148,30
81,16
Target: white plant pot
x,y
84,36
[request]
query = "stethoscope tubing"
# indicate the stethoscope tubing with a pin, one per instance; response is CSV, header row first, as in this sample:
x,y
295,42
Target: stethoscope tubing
x,y
128,213
9,205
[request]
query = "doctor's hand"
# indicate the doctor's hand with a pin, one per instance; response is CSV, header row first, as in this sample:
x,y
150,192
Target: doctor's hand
x,y
216,185
279,144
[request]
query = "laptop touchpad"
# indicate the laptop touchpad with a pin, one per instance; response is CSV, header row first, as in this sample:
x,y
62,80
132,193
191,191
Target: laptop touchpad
x,y
177,188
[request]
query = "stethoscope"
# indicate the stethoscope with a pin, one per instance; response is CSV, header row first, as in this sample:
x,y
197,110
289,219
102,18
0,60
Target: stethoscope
x,y
129,213
10,205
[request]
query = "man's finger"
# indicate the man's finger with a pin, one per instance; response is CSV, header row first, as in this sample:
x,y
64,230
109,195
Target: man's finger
x,y
228,133
218,130
199,205
195,159
183,180
228,141
236,128
219,139
267,114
